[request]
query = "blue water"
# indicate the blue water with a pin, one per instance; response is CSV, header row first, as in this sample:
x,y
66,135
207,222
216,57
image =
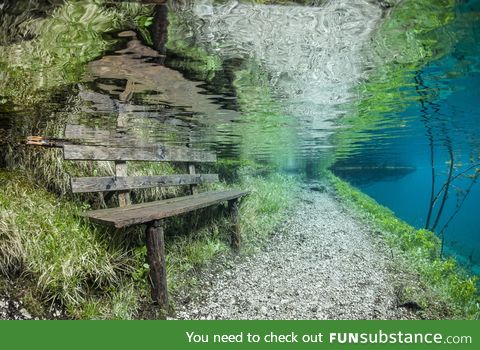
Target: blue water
x,y
441,122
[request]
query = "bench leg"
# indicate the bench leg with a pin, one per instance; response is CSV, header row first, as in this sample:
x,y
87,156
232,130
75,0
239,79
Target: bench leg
x,y
235,226
156,259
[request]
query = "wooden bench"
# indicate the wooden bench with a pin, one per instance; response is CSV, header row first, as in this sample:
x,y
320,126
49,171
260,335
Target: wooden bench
x,y
149,213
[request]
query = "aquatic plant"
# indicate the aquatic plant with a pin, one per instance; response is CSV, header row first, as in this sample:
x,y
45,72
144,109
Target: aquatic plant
x,y
449,283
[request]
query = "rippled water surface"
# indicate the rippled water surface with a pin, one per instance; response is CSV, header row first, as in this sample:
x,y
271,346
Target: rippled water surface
x,y
293,86
422,157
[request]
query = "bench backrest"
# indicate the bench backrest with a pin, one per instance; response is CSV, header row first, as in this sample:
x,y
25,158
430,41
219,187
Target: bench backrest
x,y
95,147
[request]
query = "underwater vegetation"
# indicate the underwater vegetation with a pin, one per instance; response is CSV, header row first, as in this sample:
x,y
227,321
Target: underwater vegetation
x,y
450,284
94,272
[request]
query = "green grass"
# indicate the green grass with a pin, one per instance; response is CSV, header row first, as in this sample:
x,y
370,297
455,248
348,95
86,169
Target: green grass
x,y
43,237
94,272
450,284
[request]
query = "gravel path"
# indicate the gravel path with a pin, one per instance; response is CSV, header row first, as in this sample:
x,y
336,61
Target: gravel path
x,y
321,264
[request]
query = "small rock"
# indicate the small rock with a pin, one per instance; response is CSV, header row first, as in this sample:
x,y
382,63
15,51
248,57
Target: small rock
x,y
25,314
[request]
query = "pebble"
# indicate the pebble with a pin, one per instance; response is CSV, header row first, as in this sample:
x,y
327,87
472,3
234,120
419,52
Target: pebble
x,y
25,314
339,271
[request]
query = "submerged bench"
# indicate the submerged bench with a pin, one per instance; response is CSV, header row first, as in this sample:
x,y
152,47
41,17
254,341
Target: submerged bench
x,y
150,213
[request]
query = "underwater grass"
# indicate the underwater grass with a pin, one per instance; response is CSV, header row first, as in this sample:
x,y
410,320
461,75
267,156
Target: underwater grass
x,y
97,273
451,285
67,258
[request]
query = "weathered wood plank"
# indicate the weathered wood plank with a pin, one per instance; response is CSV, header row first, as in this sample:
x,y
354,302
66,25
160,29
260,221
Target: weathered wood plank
x,y
122,136
152,153
146,212
119,183
192,171
156,260
121,171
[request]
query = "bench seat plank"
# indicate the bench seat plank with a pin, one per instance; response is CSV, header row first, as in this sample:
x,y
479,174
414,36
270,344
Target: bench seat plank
x,y
150,211
119,183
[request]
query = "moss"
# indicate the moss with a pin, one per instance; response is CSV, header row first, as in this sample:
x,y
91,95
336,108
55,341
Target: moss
x,y
450,284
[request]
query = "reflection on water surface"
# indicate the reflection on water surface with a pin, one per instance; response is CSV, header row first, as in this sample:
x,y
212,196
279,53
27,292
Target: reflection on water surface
x,y
300,88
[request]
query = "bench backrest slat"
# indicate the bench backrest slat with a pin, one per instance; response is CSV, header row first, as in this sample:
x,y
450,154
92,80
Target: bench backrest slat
x,y
123,146
116,183
152,153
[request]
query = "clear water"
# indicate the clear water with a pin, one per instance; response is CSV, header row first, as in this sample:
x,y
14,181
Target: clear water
x,y
279,85
438,124
298,64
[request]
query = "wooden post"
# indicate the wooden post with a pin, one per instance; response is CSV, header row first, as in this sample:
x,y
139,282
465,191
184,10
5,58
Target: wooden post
x,y
121,171
191,171
121,166
235,226
156,259
191,166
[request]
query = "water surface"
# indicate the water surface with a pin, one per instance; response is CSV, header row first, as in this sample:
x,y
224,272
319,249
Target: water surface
x,y
284,86
422,159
